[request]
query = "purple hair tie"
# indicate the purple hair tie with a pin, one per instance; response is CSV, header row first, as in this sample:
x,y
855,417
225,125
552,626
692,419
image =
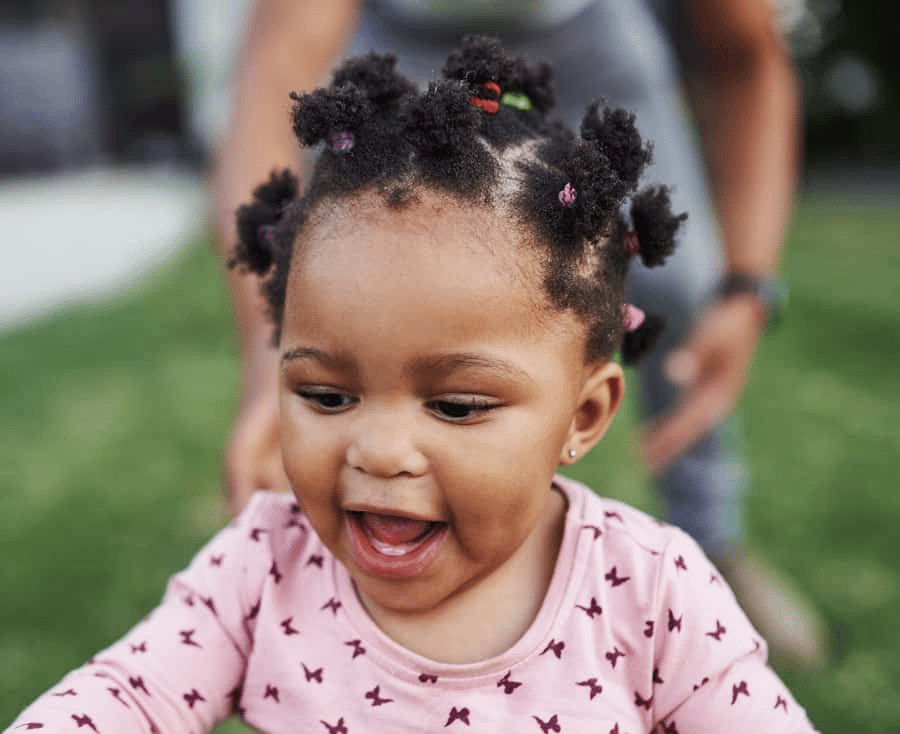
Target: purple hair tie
x,y
267,232
342,142
634,317
568,195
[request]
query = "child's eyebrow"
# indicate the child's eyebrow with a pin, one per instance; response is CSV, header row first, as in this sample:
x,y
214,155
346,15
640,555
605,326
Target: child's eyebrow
x,y
335,362
444,364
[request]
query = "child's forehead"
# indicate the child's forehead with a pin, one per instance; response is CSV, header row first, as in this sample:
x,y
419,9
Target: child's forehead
x,y
434,221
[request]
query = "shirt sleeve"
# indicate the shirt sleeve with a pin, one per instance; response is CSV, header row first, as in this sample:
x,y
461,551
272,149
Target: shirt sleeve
x,y
180,669
710,674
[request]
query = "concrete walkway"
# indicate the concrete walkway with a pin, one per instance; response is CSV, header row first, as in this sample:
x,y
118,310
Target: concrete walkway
x,y
85,236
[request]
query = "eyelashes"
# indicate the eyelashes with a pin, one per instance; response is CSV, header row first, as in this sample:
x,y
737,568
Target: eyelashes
x,y
450,408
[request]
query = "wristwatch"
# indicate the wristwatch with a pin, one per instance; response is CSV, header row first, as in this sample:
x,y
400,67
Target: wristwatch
x,y
772,292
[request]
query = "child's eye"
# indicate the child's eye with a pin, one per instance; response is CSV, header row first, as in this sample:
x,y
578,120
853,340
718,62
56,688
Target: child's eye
x,y
459,409
326,400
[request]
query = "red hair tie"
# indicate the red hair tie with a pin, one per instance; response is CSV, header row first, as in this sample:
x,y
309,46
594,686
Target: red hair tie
x,y
488,104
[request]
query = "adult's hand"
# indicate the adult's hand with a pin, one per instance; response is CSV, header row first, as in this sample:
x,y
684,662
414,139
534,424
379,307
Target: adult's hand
x,y
711,369
253,452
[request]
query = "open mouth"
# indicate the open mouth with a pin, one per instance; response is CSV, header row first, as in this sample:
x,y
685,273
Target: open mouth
x,y
394,546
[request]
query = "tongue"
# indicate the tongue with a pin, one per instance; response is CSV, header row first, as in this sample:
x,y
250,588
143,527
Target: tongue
x,y
394,530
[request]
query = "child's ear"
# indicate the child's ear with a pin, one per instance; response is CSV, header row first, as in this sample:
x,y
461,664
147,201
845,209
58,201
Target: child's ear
x,y
600,397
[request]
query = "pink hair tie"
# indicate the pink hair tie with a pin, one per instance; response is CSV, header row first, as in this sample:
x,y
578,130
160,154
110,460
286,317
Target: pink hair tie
x,y
632,246
634,317
568,195
342,142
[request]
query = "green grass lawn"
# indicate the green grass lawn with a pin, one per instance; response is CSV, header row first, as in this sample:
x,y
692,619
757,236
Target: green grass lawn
x,y
113,417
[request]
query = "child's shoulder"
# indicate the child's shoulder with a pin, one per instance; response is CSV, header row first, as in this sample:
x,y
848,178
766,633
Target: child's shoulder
x,y
618,521
625,541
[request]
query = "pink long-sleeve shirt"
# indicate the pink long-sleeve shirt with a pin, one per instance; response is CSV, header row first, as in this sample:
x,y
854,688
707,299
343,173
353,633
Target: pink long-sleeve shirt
x,y
637,633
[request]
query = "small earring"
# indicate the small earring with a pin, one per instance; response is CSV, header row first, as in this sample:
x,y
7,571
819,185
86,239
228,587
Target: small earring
x,y
572,453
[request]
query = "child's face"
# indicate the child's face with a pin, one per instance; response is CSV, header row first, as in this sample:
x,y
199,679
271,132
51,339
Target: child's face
x,y
427,395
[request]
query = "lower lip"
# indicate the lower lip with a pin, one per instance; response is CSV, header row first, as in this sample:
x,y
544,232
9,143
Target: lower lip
x,y
404,565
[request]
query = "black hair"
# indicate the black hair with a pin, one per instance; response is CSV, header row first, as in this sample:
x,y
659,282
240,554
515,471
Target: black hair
x,y
480,134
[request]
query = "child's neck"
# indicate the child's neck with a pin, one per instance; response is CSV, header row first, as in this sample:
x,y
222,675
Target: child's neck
x,y
510,597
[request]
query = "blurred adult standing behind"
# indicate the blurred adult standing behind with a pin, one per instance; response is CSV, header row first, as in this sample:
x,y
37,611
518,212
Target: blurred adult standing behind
x,y
714,293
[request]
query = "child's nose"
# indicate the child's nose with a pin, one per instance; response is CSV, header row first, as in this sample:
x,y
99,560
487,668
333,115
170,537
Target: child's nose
x,y
383,446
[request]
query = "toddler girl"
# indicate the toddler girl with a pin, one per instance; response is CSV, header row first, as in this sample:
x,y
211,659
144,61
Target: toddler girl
x,y
448,295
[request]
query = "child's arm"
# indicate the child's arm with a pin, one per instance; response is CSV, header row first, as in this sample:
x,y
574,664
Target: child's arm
x,y
178,669
711,661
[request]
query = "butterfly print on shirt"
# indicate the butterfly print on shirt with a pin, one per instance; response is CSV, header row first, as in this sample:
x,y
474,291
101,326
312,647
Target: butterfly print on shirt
x,y
555,647
552,724
311,675
701,683
338,728
427,678
597,531
458,715
357,646
84,720
680,565
295,523
656,678
508,685
719,631
256,533
209,604
117,694
669,728
609,514
187,638
642,702
614,655
135,649
137,683
737,690
714,579
591,683
271,692
216,560
674,622
593,610
648,628
332,604
69,692
315,560
288,627
274,572
193,696
31,725
254,610
781,702
614,579
375,696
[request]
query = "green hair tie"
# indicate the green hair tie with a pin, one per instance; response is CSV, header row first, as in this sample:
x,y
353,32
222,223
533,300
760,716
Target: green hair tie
x,y
517,100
